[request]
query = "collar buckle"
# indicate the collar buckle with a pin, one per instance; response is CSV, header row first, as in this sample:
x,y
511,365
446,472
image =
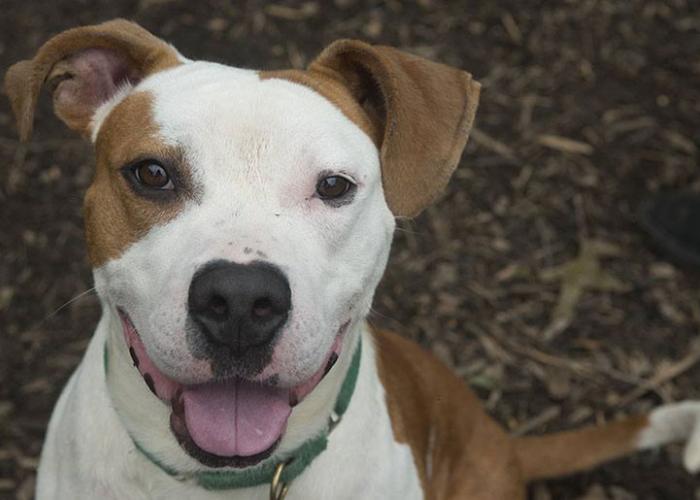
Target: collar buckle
x,y
278,488
333,421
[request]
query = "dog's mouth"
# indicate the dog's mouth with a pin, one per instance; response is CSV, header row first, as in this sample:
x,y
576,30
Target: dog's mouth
x,y
225,423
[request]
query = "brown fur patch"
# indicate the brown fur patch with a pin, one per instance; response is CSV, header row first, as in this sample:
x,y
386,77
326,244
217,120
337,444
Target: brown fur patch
x,y
116,216
458,450
562,453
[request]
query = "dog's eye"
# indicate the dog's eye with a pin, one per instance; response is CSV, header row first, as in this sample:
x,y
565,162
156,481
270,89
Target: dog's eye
x,y
152,175
333,187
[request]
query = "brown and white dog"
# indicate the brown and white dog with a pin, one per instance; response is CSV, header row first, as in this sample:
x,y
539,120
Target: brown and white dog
x,y
238,224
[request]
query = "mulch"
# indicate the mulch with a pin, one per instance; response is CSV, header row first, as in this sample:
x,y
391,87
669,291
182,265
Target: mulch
x,y
530,278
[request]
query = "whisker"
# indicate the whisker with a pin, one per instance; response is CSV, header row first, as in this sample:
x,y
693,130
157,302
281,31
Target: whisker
x,y
410,231
62,307
374,312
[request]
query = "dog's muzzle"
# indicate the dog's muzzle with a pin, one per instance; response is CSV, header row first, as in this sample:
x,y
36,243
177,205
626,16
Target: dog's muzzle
x,y
236,314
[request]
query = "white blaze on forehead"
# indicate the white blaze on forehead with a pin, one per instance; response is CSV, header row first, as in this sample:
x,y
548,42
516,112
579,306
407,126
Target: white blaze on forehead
x,y
223,114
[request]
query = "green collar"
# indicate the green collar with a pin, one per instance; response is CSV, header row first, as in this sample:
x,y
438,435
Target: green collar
x,y
294,462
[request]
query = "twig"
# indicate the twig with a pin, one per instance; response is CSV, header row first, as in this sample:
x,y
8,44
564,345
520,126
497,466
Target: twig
x,y
547,415
663,376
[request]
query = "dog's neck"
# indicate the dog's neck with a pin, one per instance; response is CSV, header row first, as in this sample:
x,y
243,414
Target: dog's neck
x,y
147,419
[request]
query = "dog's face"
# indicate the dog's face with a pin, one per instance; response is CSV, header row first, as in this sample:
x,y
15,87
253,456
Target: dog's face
x,y
253,171
239,221
260,181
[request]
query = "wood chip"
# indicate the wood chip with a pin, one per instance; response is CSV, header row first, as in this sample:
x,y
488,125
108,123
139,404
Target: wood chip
x,y
564,144
491,144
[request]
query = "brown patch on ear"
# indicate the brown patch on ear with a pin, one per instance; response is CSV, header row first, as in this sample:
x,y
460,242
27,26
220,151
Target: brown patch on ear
x,y
116,216
458,450
19,86
126,52
423,111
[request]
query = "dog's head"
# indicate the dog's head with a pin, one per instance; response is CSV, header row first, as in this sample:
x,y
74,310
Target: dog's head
x,y
239,221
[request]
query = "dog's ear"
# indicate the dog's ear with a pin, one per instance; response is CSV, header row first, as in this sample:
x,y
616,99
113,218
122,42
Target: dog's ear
x,y
422,109
84,67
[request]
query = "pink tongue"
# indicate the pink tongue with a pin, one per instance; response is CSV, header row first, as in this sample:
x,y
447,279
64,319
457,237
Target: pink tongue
x,y
235,418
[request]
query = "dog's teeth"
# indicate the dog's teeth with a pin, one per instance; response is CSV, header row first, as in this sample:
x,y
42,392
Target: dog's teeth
x,y
177,404
149,382
134,357
331,362
293,399
177,424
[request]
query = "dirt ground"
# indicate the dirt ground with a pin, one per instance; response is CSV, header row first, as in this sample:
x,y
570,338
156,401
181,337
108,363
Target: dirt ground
x,y
530,277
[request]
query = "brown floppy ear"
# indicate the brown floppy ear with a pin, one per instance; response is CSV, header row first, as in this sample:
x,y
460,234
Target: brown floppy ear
x,y
423,110
84,67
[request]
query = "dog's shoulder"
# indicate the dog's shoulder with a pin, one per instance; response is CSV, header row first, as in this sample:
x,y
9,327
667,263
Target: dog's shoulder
x,y
457,448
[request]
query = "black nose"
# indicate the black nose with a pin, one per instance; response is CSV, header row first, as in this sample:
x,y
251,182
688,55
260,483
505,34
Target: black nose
x,y
239,305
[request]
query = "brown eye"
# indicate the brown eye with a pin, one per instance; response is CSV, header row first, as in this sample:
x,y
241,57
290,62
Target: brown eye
x,y
333,187
153,175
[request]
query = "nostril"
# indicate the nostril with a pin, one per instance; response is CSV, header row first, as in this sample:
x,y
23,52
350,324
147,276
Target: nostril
x,y
217,306
262,308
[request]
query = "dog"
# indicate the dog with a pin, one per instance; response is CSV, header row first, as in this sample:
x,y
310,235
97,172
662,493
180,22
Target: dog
x,y
238,224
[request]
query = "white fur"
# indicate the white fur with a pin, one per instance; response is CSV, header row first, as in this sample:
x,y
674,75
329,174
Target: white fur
x,y
679,422
254,150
